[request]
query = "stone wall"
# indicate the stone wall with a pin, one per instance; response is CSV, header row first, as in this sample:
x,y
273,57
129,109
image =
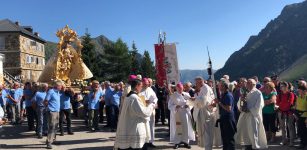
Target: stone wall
x,y
30,75
32,58
23,56
11,51
12,41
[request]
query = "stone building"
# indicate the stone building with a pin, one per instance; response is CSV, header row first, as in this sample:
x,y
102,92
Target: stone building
x,y
23,49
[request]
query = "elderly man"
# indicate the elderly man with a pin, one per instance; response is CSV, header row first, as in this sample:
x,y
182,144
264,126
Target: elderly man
x,y
38,101
227,119
131,129
188,88
203,113
107,100
181,123
14,98
150,98
4,98
52,101
250,126
94,98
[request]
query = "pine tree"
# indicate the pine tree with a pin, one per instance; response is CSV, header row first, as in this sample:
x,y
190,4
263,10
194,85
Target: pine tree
x,y
89,55
116,61
135,64
148,69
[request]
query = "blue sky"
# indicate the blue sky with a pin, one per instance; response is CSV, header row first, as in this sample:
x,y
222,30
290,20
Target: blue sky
x,y
223,25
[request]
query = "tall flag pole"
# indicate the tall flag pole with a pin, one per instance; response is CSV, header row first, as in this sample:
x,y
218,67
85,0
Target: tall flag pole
x,y
211,74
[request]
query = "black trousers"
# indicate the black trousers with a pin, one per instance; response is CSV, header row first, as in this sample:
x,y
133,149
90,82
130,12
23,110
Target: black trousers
x,y
269,122
108,115
31,116
114,116
302,130
101,117
67,113
228,130
160,112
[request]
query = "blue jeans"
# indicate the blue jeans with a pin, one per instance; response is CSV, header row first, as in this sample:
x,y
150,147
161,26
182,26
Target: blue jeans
x,y
42,127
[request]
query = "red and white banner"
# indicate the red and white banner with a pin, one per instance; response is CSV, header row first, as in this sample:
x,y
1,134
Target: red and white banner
x,y
166,64
160,70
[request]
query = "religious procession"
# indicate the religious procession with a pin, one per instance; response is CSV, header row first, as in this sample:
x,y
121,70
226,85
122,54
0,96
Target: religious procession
x,y
222,113
99,93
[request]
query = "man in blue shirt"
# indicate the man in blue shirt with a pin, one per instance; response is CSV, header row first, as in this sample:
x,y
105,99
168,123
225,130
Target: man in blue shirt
x,y
38,101
227,119
3,98
94,98
52,101
66,95
14,98
114,106
108,98
28,95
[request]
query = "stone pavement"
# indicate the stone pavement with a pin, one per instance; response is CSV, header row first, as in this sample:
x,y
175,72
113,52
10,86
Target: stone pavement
x,y
17,137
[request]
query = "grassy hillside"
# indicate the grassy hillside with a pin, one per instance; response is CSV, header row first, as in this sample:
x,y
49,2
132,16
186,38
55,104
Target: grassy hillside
x,y
296,71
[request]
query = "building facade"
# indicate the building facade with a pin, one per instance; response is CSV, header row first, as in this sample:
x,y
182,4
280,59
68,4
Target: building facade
x,y
24,51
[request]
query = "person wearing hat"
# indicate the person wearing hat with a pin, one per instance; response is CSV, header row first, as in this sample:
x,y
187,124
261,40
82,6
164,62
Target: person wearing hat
x,y
94,98
127,89
52,101
131,129
181,131
301,108
250,129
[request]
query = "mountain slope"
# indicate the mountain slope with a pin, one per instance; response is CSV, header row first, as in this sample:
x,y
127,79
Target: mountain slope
x,y
297,70
99,42
189,75
275,49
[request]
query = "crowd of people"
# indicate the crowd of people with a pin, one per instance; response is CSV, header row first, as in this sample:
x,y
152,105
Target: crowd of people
x,y
245,111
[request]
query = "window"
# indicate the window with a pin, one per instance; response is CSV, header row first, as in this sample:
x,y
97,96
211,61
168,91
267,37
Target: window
x,y
33,59
28,59
38,47
2,42
37,61
42,47
33,43
28,43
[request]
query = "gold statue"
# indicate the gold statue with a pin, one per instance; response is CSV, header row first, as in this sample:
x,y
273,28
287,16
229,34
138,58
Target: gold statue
x,y
66,64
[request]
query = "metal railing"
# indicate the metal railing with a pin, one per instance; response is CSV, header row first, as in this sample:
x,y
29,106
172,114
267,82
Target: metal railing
x,y
9,78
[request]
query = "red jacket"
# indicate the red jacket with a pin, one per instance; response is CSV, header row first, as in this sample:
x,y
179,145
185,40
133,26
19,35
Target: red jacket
x,y
285,101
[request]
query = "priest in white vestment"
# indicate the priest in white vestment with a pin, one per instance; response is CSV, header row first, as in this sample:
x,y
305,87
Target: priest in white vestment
x,y
203,114
126,91
131,130
250,129
181,131
150,97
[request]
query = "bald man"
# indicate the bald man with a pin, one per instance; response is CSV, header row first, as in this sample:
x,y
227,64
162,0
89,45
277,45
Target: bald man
x,y
250,129
203,113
